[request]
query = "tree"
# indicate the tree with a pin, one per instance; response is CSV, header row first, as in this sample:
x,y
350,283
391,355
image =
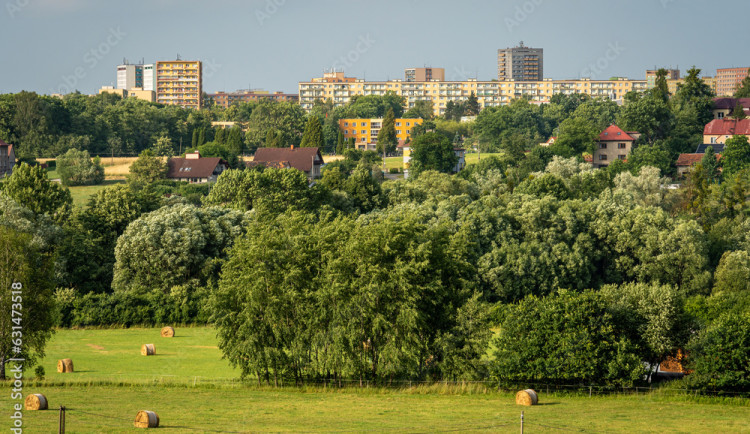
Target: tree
x,y
313,135
711,165
577,136
340,143
648,115
739,111
147,169
432,151
472,105
234,141
743,89
387,139
175,246
564,338
736,155
423,109
661,89
286,119
650,155
733,273
453,111
26,279
76,168
163,147
30,187
720,354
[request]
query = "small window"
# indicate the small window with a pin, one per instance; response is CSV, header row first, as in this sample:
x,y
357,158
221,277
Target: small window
x,y
621,156
346,124
621,146
408,124
602,157
602,146
408,131
713,140
363,139
398,124
354,124
364,131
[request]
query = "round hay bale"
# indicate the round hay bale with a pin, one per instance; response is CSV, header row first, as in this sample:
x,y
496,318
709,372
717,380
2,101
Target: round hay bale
x,y
148,350
146,419
167,332
527,397
35,401
64,366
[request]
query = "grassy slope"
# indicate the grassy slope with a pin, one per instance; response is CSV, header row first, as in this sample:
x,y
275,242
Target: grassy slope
x,y
138,383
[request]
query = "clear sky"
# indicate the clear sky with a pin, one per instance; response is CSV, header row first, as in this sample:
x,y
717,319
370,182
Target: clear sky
x,y
54,45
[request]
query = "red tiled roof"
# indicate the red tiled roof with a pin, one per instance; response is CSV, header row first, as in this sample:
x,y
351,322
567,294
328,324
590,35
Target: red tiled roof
x,y
614,133
727,127
299,158
193,167
269,164
688,160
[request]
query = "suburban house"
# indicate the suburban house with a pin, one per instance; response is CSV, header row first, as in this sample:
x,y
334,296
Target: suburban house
x,y
7,159
307,160
195,169
723,107
685,162
550,141
613,144
718,131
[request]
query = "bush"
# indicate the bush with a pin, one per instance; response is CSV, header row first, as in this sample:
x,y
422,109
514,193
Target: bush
x,y
39,373
76,168
720,355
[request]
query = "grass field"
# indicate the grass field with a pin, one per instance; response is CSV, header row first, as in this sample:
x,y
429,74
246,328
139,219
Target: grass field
x,y
191,388
82,193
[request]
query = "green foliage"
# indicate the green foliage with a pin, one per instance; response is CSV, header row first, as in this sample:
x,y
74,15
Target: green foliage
x,y
565,338
720,355
736,155
711,165
387,139
286,119
29,271
147,169
313,135
743,90
738,112
653,156
733,272
649,115
494,125
76,168
190,240
432,151
30,188
375,106
423,109
577,136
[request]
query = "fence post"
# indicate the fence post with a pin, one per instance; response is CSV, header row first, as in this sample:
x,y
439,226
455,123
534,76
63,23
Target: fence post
x,y
589,391
61,421
521,422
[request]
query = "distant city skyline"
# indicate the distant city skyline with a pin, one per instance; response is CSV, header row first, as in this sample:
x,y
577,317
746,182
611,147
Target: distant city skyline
x,y
57,46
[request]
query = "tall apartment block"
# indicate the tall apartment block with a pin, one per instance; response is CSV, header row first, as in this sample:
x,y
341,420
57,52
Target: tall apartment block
x,y
728,79
520,63
179,82
424,74
130,76
672,74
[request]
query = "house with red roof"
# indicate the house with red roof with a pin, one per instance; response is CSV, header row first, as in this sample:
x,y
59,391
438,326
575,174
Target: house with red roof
x,y
613,144
723,107
195,169
685,162
7,159
718,131
307,160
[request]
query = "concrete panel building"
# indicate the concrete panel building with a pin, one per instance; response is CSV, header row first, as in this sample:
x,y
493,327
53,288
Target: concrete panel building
x,y
179,82
729,79
520,63
424,74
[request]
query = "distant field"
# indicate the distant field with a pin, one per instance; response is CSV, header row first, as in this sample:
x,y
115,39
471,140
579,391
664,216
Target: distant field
x,y
81,194
192,390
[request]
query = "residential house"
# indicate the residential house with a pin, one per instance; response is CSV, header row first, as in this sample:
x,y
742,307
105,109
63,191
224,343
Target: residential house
x,y
718,131
685,162
723,107
613,144
551,141
307,160
195,169
7,159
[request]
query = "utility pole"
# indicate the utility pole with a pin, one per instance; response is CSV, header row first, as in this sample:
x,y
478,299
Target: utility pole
x,y
61,421
521,422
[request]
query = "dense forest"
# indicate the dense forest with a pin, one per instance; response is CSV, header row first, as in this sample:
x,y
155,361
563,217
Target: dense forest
x,y
527,266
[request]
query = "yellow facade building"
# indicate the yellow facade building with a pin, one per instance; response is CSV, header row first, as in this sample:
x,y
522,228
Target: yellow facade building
x,y
341,89
146,95
179,82
365,131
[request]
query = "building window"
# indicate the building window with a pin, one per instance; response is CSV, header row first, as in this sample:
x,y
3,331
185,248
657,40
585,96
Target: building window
x,y
602,146
408,124
713,140
602,157
721,115
621,156
398,124
408,131
621,146
354,124
346,124
363,139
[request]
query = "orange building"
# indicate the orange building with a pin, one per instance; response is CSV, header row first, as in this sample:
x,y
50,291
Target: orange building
x,y
728,79
365,131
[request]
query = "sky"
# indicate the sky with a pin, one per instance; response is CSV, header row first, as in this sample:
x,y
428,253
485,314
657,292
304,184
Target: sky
x,y
56,46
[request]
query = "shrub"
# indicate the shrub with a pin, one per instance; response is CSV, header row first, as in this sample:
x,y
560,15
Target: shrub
x,y
720,355
76,168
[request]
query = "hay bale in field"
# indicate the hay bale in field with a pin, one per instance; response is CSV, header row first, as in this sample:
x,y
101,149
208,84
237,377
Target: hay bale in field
x,y
527,397
167,332
64,366
146,419
148,350
36,401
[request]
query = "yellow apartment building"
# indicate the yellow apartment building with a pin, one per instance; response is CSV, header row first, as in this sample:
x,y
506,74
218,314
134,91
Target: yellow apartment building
x,y
146,95
489,93
365,131
179,82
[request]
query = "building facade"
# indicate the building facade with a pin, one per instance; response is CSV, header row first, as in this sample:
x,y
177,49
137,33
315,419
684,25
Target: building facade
x,y
729,79
146,95
614,144
489,93
365,131
7,159
672,74
225,99
424,74
179,82
520,63
139,76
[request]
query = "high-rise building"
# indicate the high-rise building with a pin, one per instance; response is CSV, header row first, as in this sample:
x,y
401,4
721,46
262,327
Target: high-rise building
x,y
179,82
520,63
131,76
672,74
424,74
728,79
